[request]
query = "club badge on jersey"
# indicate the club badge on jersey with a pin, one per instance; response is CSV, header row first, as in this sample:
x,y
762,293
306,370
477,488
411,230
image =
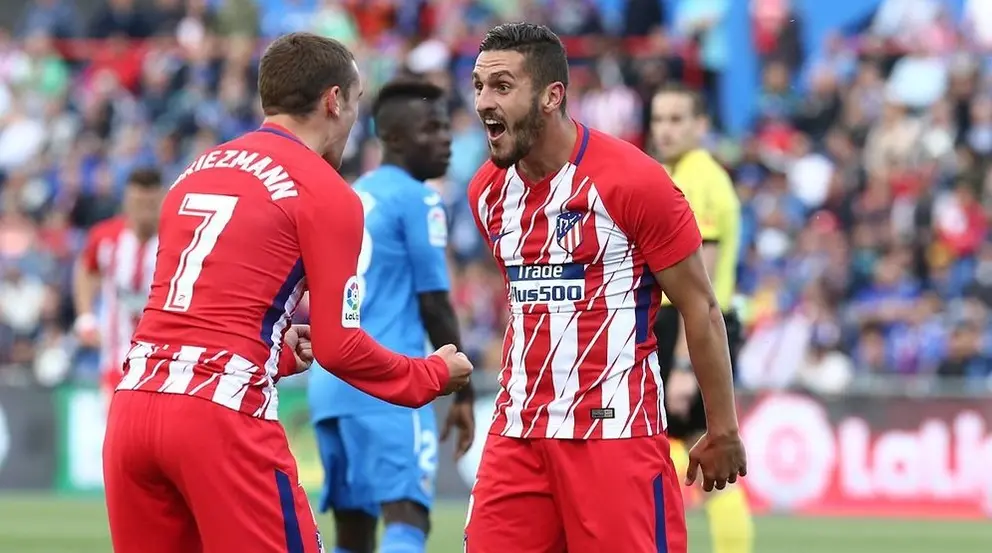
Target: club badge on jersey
x,y
437,227
351,306
568,231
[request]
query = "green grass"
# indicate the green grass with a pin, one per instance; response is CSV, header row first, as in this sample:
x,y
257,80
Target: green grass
x,y
46,524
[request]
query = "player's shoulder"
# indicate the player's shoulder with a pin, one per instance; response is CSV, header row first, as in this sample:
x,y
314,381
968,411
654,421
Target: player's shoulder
x,y
616,166
108,228
393,186
702,163
487,177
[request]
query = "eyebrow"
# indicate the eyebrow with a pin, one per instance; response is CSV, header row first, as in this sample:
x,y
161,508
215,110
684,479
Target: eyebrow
x,y
493,76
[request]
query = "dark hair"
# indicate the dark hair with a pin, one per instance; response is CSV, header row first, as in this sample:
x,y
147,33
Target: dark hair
x,y
544,54
404,90
145,178
676,87
296,69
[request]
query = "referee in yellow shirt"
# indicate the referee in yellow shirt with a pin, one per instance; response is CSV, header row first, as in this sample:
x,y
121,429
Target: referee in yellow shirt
x,y
678,124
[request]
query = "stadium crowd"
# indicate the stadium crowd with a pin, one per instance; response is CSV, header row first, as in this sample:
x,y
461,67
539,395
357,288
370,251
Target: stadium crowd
x,y
864,175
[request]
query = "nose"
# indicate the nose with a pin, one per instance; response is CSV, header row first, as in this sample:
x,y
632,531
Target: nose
x,y
485,100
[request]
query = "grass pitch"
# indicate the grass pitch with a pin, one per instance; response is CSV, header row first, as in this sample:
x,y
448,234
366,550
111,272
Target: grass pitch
x,y
50,524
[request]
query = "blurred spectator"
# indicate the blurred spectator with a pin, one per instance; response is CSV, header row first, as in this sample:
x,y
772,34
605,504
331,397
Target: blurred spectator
x,y
865,177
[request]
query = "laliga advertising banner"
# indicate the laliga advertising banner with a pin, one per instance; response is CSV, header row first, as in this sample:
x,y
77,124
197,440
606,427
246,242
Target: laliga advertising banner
x,y
864,456
851,456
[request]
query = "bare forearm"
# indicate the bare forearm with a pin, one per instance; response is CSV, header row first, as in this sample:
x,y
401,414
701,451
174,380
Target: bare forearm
x,y
85,286
441,325
706,340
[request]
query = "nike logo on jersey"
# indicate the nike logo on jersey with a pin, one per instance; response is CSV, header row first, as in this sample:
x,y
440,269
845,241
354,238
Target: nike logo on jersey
x,y
494,237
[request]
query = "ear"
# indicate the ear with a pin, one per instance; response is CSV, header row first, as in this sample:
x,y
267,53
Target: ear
x,y
703,124
332,101
554,95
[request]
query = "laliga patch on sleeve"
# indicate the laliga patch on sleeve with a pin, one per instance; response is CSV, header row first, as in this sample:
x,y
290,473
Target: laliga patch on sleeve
x,y
351,307
437,227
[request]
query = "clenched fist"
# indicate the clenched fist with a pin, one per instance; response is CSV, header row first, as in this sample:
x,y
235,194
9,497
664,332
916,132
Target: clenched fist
x,y
459,368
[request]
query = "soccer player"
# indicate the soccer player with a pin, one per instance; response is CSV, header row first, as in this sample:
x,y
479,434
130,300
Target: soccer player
x,y
194,458
588,231
678,124
116,266
381,459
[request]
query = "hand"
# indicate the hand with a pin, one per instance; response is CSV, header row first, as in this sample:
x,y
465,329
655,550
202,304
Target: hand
x,y
459,368
460,416
721,458
297,339
680,390
86,331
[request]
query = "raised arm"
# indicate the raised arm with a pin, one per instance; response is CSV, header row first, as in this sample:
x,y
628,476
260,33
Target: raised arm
x,y
330,234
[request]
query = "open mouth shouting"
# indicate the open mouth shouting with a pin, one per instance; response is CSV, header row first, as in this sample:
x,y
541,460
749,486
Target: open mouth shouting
x,y
495,128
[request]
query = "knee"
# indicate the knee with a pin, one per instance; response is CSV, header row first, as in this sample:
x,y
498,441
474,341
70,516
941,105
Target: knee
x,y
407,512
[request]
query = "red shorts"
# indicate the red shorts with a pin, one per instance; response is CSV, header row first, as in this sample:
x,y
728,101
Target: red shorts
x,y
184,474
579,496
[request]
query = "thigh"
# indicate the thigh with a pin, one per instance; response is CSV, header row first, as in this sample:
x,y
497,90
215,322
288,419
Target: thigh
x,y
630,499
241,482
393,455
339,492
511,507
146,512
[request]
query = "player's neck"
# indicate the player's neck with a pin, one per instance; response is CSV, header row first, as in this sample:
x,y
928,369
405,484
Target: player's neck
x,y
552,150
396,160
310,135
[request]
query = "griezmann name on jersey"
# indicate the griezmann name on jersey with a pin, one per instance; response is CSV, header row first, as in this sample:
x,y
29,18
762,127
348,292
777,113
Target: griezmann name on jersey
x,y
578,252
403,255
245,230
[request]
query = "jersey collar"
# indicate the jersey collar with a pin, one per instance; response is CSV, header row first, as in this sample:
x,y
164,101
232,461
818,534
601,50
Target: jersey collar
x,y
279,130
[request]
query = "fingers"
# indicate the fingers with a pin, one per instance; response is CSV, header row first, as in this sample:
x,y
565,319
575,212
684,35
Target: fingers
x,y
446,350
691,472
303,331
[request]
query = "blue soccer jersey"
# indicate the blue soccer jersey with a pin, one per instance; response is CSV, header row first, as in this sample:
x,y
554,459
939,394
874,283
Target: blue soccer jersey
x,y
403,255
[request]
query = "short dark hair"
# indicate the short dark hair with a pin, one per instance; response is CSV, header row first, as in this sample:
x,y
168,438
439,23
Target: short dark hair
x,y
406,89
296,69
145,178
680,88
546,60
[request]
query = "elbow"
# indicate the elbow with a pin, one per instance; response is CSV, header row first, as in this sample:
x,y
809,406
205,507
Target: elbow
x,y
326,353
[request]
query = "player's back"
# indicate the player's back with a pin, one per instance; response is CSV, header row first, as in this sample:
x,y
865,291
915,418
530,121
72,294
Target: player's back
x,y
229,273
579,250
397,262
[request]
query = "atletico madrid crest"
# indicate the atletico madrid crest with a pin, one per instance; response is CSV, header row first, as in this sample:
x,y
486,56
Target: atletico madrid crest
x,y
568,230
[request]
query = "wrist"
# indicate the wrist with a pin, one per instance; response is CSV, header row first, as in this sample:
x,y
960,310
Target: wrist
x,y
439,367
85,322
465,395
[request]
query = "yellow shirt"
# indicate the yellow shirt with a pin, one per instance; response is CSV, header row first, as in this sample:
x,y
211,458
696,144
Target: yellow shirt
x,y
711,195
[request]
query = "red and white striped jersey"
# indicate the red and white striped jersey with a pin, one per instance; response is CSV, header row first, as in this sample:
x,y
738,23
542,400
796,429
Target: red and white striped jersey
x,y
245,230
578,252
126,265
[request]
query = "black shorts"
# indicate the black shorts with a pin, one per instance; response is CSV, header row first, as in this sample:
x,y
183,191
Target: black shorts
x,y
666,329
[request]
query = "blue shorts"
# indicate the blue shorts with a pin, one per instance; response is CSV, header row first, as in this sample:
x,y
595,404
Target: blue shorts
x,y
378,458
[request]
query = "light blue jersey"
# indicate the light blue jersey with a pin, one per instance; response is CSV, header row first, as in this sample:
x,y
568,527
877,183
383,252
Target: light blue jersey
x,y
403,255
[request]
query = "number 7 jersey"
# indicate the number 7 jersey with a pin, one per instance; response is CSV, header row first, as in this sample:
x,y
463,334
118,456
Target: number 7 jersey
x,y
245,230
578,251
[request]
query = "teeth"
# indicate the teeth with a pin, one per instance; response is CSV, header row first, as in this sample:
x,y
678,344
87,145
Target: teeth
x,y
492,122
